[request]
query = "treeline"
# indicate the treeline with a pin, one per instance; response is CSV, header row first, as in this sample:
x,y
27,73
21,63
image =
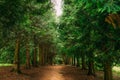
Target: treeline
x,y
27,33
90,33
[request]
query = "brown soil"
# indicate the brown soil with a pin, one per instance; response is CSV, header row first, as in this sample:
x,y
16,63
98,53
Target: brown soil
x,y
48,73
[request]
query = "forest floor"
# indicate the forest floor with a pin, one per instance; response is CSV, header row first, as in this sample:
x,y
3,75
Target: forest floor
x,y
50,73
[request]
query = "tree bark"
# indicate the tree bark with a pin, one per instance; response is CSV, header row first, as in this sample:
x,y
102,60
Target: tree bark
x,y
17,57
91,70
28,66
74,61
35,57
83,62
42,55
40,52
35,52
108,71
78,63
45,55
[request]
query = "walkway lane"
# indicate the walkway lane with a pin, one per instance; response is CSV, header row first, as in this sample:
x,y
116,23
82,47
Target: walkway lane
x,y
60,73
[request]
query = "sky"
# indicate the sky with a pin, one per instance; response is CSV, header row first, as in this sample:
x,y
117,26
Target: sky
x,y
57,7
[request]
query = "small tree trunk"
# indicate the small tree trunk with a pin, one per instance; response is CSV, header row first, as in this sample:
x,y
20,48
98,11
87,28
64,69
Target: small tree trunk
x,y
78,63
107,71
67,60
83,63
27,57
43,57
74,60
35,52
17,57
35,57
40,52
91,70
70,61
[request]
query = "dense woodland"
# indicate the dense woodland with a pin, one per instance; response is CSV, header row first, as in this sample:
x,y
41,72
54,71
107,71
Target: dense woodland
x,y
86,35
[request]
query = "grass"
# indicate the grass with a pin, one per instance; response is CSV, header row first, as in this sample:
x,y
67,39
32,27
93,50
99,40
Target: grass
x,y
116,69
6,64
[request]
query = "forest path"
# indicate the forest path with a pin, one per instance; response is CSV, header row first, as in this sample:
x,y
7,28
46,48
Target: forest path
x,y
56,72
48,73
59,73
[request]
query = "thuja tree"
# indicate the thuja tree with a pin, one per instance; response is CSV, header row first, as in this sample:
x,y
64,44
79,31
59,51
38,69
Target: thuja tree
x,y
75,32
12,13
16,20
94,13
44,33
68,30
107,34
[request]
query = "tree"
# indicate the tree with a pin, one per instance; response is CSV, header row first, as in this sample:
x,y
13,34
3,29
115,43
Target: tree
x,y
88,16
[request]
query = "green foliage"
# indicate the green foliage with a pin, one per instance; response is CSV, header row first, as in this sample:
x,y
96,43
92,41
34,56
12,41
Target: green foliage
x,y
29,20
7,55
84,30
11,12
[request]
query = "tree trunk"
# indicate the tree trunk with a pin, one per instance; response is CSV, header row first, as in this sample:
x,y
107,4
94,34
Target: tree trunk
x,y
83,63
107,71
67,60
40,52
91,70
74,60
78,63
27,57
70,61
45,55
17,57
42,56
35,57
35,52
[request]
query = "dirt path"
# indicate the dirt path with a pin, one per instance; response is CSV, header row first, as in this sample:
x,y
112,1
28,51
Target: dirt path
x,y
60,73
46,73
50,73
